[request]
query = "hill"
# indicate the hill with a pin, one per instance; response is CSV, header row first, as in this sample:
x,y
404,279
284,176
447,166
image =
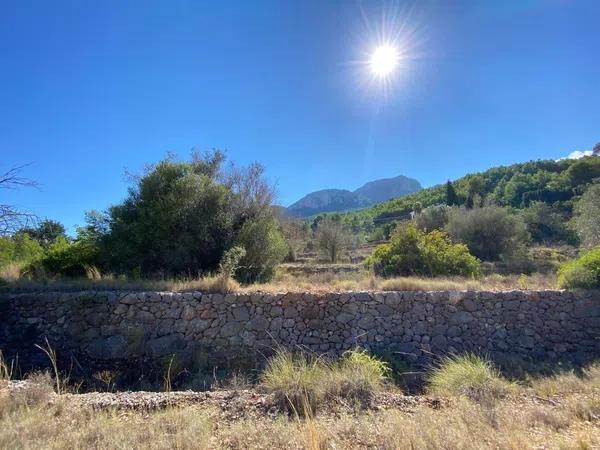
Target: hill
x,y
329,200
558,183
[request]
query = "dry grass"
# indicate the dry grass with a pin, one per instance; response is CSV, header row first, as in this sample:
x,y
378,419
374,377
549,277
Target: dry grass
x,y
321,281
468,375
463,425
585,382
302,382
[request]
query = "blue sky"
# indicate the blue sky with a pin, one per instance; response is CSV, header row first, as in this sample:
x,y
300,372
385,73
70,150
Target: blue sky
x,y
89,89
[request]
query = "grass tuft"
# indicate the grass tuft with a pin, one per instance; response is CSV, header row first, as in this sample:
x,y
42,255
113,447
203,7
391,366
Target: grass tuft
x,y
299,380
468,375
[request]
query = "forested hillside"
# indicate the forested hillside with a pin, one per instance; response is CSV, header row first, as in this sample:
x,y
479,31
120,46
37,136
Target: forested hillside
x,y
556,183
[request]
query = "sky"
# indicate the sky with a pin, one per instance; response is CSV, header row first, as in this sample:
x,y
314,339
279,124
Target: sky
x,y
89,90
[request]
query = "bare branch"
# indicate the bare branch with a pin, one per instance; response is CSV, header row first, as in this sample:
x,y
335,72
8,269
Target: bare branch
x,y
11,219
12,180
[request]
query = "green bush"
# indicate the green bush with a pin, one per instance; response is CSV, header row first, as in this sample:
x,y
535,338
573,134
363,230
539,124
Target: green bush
x,y
467,375
265,248
66,259
491,233
583,272
20,248
415,252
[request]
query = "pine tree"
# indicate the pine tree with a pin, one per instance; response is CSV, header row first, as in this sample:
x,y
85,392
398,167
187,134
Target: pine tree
x,y
451,197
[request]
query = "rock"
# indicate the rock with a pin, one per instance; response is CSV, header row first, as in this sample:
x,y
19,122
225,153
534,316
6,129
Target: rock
x,y
165,345
231,329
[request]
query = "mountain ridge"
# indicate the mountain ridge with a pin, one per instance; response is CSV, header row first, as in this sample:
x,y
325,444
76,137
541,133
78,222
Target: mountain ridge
x,y
370,193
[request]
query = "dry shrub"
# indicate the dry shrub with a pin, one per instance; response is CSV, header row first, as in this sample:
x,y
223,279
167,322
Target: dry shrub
x,y
11,271
468,375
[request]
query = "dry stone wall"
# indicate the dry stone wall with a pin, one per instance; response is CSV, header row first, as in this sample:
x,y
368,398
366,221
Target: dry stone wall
x,y
116,328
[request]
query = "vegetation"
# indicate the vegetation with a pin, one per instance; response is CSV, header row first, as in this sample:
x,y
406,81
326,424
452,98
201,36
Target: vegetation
x,y
332,236
301,380
556,183
490,233
414,252
467,375
587,216
559,411
583,272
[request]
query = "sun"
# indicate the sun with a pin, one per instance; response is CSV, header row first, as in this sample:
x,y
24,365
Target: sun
x,y
384,60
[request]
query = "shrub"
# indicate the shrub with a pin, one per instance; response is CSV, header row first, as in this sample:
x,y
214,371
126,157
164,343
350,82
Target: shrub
x,y
433,218
265,248
468,375
587,216
414,252
583,272
490,233
67,259
332,236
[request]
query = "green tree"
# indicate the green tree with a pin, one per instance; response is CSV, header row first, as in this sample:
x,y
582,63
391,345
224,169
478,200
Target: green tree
x,y
587,216
180,217
433,218
332,237
490,233
415,252
46,232
265,248
451,197
584,170
545,224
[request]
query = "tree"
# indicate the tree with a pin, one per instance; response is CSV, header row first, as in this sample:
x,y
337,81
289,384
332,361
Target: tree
x,y
46,232
490,232
11,218
584,170
596,149
180,217
475,190
587,217
415,252
451,197
296,233
332,237
545,224
433,218
265,248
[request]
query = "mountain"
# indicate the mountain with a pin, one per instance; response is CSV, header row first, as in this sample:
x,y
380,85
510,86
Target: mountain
x,y
329,200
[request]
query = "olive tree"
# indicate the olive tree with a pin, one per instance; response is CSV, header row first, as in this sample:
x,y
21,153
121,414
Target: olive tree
x,y
587,217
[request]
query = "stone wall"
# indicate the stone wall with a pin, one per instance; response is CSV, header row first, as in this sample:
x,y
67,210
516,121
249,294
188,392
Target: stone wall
x,y
116,328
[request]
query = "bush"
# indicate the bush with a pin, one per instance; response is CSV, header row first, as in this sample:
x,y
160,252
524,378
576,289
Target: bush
x,y
490,233
467,375
587,217
583,272
20,248
414,252
264,247
66,259
433,218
